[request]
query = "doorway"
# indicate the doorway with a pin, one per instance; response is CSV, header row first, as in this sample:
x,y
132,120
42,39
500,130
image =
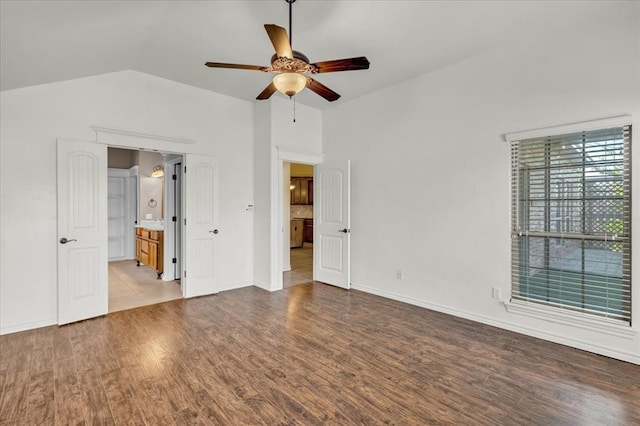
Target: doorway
x,y
298,194
143,212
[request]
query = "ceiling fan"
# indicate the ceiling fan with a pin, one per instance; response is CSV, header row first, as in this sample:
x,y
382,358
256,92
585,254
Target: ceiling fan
x,y
291,66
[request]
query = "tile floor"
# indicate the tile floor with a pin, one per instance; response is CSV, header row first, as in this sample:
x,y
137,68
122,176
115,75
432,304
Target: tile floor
x,y
301,266
131,286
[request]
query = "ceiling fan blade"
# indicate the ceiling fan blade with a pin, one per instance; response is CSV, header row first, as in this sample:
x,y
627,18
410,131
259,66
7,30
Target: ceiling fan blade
x,y
267,92
350,64
322,90
280,40
236,66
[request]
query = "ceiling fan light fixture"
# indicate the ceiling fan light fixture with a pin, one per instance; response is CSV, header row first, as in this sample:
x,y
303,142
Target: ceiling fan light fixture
x,y
290,83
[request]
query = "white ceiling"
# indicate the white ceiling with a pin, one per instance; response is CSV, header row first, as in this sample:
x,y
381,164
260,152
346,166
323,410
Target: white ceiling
x,y
47,41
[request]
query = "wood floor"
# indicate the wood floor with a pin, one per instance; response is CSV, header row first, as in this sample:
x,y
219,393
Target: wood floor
x,y
310,354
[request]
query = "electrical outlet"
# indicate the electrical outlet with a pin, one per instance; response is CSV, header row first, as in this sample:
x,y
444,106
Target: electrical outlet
x,y
400,274
496,293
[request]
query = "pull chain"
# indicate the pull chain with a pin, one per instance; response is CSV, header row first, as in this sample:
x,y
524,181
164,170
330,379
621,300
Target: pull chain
x,y
294,109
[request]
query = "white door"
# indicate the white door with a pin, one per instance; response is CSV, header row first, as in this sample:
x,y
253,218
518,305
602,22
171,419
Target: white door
x,y
82,231
201,230
331,224
117,214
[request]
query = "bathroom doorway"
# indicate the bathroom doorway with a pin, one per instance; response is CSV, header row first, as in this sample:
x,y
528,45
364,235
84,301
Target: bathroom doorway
x,y
144,209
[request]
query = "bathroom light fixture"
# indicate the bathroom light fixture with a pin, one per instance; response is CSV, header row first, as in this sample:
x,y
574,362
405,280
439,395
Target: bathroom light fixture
x,y
158,171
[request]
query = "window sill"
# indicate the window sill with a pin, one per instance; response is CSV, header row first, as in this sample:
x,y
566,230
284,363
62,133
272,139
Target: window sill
x,y
576,319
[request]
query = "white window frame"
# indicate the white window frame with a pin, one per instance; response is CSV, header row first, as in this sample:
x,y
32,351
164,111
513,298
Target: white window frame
x,y
560,315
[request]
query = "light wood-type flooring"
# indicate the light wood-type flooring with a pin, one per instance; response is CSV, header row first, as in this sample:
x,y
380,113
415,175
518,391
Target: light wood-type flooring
x,y
301,266
307,355
131,286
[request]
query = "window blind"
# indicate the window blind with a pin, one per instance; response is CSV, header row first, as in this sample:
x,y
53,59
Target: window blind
x,y
571,222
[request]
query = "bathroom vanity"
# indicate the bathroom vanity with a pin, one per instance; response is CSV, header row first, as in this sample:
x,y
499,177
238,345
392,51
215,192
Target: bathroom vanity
x,y
150,248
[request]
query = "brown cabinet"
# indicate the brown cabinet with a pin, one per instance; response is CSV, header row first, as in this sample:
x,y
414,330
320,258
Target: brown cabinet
x,y
295,237
307,233
150,249
302,190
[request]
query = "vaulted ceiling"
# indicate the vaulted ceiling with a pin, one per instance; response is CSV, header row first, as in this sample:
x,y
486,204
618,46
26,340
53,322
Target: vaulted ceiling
x,y
48,41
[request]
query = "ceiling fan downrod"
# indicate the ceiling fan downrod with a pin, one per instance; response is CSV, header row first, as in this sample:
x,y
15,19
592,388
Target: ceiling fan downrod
x,y
290,14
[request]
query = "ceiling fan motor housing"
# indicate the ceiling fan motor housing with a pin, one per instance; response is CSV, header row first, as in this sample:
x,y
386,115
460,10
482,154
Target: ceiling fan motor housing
x,y
299,63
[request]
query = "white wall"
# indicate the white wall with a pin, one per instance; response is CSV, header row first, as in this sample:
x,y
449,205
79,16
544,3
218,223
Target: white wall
x,y
286,216
277,136
431,171
150,188
263,198
30,121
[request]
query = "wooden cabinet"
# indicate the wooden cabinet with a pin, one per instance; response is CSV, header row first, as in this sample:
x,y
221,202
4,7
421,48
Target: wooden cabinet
x,y
295,237
302,190
307,233
150,249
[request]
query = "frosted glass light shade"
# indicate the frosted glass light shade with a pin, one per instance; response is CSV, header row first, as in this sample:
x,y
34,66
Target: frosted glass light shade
x,y
158,171
290,83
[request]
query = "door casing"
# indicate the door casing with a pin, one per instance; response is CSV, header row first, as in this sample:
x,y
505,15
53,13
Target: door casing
x,y
117,138
285,156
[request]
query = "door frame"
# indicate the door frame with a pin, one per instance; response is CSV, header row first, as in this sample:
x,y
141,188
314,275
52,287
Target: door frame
x,y
117,138
169,232
130,176
286,155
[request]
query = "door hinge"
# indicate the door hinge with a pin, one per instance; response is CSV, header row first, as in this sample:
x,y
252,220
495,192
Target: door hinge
x,y
174,177
174,218
174,260
185,221
185,272
185,169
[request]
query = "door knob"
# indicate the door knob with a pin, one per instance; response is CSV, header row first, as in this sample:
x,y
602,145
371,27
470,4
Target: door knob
x,y
215,231
64,240
345,230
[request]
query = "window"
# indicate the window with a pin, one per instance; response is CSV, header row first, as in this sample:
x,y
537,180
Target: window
x,y
571,222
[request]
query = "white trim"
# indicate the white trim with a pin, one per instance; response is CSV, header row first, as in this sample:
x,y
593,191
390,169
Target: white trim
x,y
575,343
170,268
234,286
572,318
264,286
621,120
28,326
293,155
110,131
112,172
289,155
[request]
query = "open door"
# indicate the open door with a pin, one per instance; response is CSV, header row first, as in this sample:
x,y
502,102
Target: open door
x,y
82,230
200,179
332,223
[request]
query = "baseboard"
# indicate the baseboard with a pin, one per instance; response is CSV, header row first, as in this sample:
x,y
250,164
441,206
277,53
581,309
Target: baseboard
x,y
28,326
234,286
263,286
563,340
